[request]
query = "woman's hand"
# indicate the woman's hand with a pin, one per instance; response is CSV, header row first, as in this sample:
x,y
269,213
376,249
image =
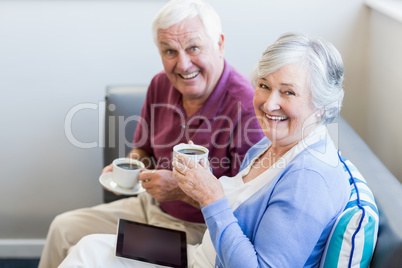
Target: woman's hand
x,y
196,180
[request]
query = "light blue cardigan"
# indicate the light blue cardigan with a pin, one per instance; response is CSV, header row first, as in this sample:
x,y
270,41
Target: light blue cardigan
x,y
285,223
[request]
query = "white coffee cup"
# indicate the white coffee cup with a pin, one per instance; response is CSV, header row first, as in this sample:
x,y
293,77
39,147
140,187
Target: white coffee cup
x,y
194,151
125,172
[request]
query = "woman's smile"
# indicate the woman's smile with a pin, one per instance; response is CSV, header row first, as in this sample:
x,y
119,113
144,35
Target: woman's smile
x,y
276,118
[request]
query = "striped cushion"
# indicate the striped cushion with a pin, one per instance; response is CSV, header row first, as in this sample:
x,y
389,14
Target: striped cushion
x,y
354,235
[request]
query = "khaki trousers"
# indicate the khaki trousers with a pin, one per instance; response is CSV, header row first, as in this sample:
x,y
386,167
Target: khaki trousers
x,y
68,228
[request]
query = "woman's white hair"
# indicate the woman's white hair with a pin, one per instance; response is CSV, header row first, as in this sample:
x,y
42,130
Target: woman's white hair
x,y
322,61
175,11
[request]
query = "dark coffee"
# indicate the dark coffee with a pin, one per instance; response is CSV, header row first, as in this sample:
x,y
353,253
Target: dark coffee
x,y
128,166
191,151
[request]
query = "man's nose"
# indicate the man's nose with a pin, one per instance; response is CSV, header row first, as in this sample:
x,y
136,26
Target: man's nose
x,y
183,61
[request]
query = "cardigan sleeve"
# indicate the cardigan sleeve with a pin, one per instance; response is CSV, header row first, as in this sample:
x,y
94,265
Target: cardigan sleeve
x,y
297,210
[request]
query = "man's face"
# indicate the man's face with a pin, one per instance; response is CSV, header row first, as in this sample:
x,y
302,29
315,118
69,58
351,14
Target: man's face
x,y
191,62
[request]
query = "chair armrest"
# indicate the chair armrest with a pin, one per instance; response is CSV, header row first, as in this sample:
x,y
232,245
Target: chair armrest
x,y
122,111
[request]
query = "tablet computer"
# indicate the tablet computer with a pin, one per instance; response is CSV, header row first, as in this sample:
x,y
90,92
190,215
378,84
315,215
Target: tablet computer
x,y
152,244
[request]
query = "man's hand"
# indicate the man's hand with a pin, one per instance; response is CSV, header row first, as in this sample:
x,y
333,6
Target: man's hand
x,y
161,184
107,169
136,153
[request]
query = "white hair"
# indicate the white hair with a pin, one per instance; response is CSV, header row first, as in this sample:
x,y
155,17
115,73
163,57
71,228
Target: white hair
x,y
175,11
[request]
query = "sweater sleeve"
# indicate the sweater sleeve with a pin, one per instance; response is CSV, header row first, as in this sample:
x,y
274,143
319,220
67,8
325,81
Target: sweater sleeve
x,y
284,234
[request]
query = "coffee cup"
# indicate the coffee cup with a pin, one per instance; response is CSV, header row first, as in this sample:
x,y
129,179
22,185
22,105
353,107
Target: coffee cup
x,y
194,151
125,172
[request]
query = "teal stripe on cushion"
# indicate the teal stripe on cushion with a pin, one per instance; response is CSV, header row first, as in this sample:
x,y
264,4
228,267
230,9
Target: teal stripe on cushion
x,y
357,181
369,234
366,192
332,257
353,203
350,166
358,176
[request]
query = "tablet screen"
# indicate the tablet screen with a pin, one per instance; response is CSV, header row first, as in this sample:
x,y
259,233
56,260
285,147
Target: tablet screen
x,y
151,244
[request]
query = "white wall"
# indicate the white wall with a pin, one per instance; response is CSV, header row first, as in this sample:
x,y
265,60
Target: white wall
x,y
55,55
384,91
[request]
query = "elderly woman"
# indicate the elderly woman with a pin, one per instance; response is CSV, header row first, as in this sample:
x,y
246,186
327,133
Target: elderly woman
x,y
278,211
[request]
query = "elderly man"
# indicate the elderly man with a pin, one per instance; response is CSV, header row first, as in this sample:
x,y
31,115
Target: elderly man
x,y
198,97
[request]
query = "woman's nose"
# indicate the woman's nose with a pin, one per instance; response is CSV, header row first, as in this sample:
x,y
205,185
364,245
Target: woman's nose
x,y
272,102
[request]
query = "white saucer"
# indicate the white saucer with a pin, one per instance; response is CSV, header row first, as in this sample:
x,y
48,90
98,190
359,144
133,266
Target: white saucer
x,y
107,181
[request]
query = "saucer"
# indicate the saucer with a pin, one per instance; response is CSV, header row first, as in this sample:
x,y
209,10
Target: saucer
x,y
107,181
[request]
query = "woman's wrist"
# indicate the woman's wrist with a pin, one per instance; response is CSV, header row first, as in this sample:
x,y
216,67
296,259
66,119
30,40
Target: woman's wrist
x,y
211,199
185,198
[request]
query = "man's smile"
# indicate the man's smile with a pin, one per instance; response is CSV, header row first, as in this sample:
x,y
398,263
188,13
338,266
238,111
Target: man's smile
x,y
189,76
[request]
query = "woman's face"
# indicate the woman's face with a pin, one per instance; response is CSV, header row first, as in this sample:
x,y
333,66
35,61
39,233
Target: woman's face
x,y
282,103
